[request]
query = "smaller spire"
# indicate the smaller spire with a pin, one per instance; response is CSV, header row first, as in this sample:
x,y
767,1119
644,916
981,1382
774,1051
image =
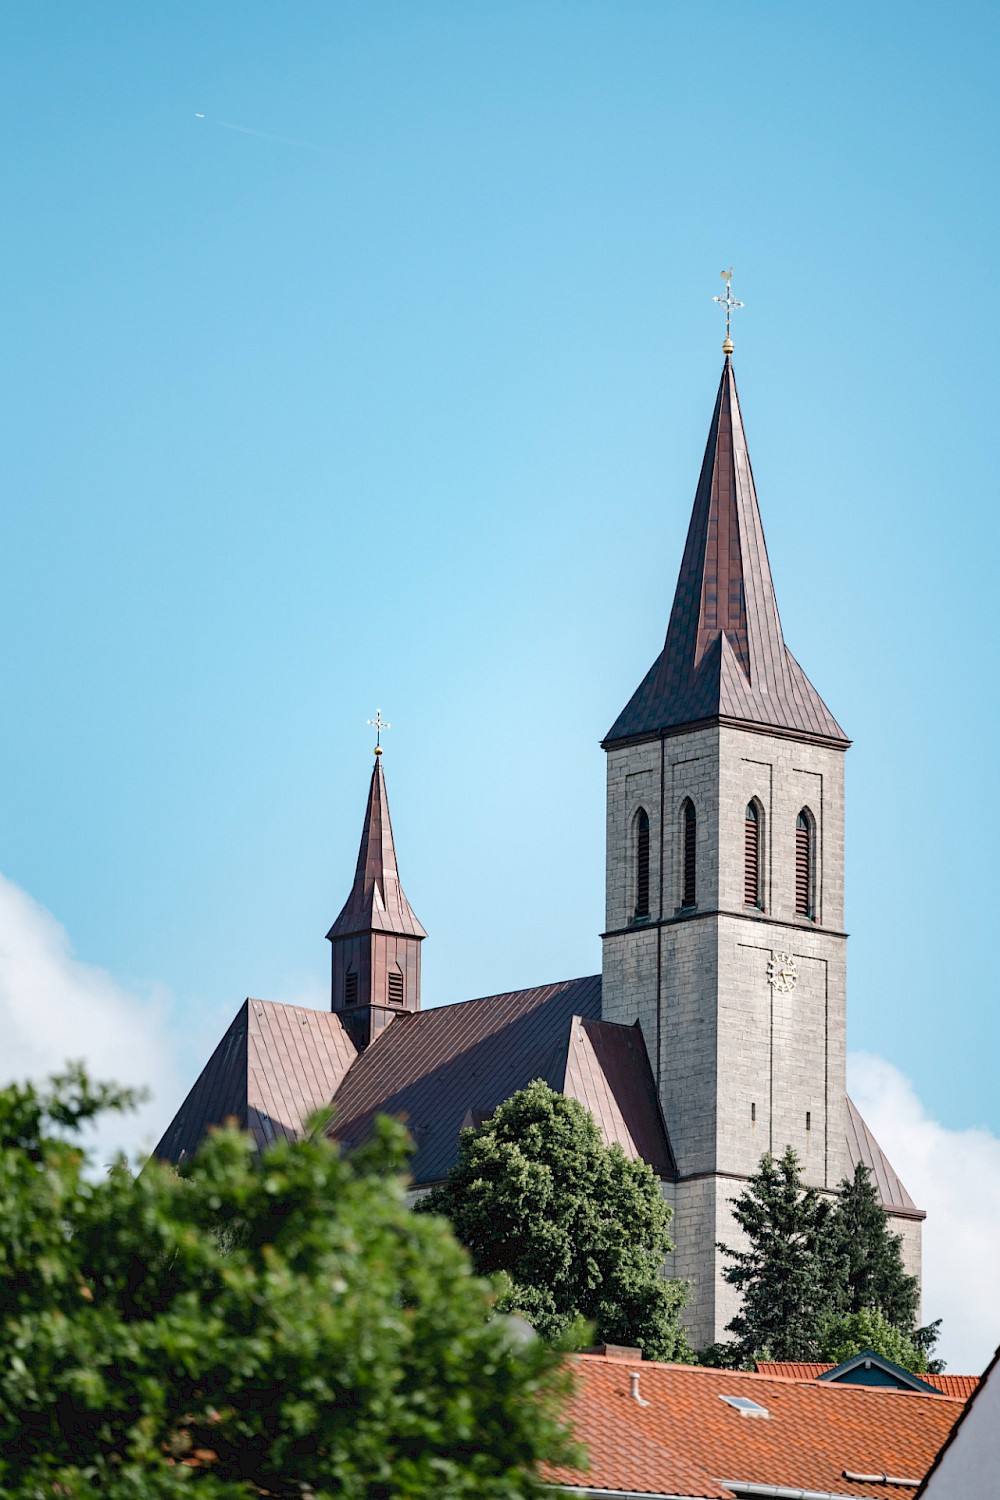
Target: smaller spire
x,y
377,902
730,303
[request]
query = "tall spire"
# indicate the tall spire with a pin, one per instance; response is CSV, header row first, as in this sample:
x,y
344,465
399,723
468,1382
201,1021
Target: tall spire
x,y
376,938
725,656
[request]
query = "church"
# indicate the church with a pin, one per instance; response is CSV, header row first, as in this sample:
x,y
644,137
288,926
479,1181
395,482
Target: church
x,y
717,1028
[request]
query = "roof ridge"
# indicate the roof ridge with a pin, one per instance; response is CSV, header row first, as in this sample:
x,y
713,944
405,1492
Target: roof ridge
x,y
507,994
776,1380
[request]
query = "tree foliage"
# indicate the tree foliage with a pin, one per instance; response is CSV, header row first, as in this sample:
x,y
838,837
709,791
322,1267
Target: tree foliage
x,y
847,1334
790,1275
577,1230
819,1274
876,1278
273,1323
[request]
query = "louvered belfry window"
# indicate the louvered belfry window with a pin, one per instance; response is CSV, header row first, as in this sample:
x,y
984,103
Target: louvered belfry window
x,y
395,987
803,865
351,987
690,881
642,864
751,856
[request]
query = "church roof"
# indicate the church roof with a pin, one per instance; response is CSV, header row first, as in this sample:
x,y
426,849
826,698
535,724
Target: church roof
x,y
863,1147
377,902
274,1067
725,656
443,1069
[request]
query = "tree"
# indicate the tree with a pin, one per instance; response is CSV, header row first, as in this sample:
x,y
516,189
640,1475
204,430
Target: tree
x,y
273,1323
576,1229
850,1333
791,1274
872,1255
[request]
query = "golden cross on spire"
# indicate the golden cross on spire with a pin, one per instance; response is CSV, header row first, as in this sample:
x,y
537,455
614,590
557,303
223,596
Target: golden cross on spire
x,y
730,303
378,724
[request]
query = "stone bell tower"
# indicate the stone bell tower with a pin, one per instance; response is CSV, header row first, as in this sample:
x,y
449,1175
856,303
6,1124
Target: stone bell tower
x,y
725,879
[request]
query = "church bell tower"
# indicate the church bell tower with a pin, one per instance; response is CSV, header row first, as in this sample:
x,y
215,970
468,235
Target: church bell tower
x,y
376,938
725,879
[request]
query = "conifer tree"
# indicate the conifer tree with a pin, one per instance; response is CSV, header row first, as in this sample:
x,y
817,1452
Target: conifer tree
x,y
875,1276
791,1274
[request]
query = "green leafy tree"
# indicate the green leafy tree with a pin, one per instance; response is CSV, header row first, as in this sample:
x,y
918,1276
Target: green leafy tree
x,y
273,1323
790,1273
576,1230
850,1333
872,1255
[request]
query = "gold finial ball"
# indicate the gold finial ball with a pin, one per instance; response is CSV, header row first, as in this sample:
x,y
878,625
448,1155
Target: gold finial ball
x,y
727,346
378,749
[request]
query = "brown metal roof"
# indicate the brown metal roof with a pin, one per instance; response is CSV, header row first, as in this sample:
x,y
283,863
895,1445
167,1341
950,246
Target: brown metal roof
x,y
607,1070
274,1067
377,902
863,1147
724,656
442,1069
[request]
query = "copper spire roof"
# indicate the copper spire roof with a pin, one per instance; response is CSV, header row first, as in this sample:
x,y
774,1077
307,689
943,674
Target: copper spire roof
x,y
724,655
377,902
275,1065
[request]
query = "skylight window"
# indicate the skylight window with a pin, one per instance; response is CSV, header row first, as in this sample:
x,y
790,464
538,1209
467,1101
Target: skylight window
x,y
745,1406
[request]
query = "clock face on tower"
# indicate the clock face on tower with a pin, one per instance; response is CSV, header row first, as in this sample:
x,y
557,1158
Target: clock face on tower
x,y
782,974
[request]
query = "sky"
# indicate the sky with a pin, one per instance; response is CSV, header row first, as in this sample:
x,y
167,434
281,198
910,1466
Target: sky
x,y
362,355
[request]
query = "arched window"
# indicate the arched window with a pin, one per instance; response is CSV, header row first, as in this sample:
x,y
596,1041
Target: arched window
x,y
689,877
751,857
642,864
804,855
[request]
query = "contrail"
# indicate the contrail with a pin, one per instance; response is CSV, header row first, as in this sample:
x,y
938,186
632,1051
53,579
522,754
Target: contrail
x,y
264,135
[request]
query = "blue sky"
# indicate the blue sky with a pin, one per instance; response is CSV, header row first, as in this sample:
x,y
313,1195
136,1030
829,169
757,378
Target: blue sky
x,y
387,382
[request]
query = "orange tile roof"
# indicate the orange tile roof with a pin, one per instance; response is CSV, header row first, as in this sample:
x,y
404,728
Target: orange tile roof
x,y
788,1369
687,1441
959,1386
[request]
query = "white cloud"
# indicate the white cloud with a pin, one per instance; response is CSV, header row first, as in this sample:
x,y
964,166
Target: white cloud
x,y
955,1176
54,1007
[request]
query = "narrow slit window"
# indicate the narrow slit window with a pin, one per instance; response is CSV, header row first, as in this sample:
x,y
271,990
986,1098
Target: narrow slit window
x,y
803,865
395,987
689,886
351,987
751,857
642,864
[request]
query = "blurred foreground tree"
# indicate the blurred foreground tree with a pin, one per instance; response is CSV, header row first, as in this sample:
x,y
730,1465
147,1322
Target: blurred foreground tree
x,y
277,1323
579,1231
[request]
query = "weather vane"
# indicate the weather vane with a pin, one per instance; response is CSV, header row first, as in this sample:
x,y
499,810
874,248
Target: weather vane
x,y
378,724
730,303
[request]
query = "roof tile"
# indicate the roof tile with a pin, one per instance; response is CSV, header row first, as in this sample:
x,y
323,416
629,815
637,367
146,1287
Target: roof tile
x,y
813,1434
